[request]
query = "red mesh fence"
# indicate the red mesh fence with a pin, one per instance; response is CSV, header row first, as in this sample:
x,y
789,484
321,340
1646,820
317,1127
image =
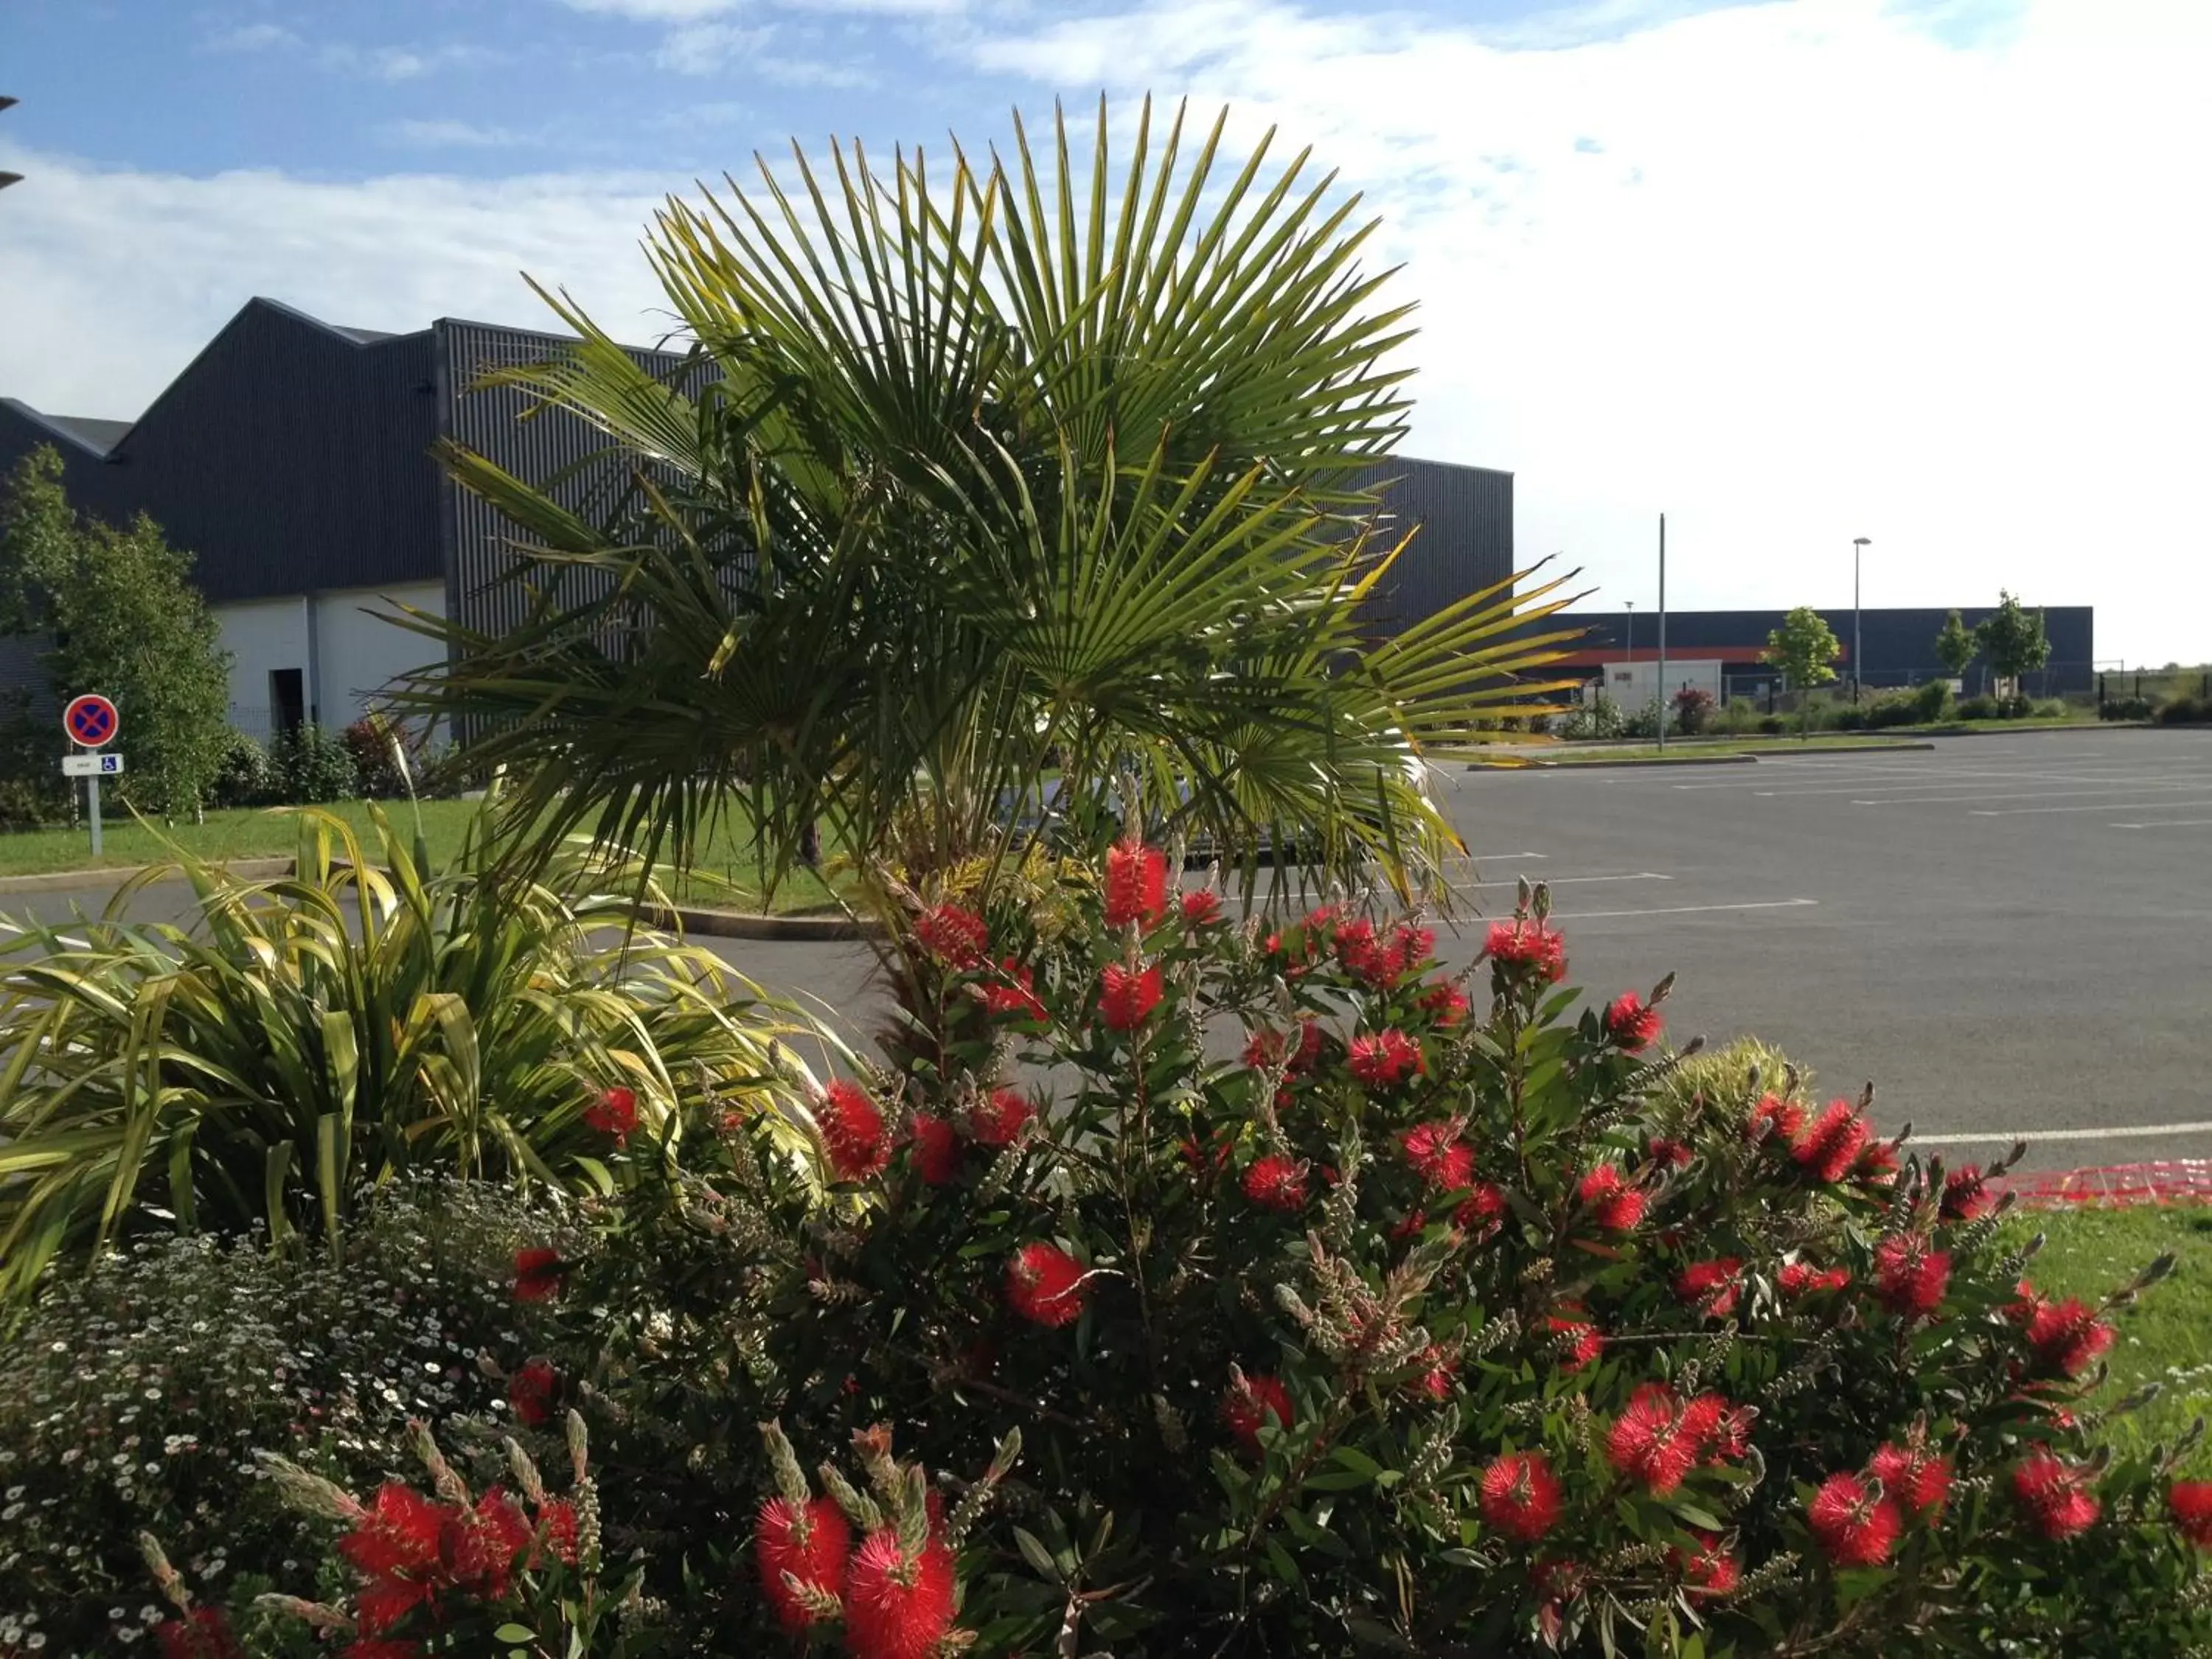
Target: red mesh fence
x,y
2180,1180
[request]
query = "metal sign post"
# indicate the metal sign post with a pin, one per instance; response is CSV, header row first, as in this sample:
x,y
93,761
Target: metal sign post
x,y
92,722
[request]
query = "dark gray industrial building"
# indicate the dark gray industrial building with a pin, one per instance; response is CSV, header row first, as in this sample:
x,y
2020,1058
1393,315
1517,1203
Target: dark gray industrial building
x,y
292,458
1900,644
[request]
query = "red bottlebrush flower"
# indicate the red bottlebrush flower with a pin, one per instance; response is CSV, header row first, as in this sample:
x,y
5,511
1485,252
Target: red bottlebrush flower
x,y
852,1130
1526,944
1911,1277
1013,995
1658,1439
1711,1286
1201,907
996,1120
1613,1205
2067,1337
1629,1024
1834,1142
1557,1584
1853,1527
381,1648
2190,1501
1416,945
614,1113
1246,1410
395,1545
1877,1165
1045,1284
1276,1182
1376,961
1438,1156
1445,1004
1434,1381
1966,1194
1778,1119
954,936
1711,1570
479,1545
1128,995
936,1150
1731,1429
1918,1479
1580,1341
202,1633
1381,1060
556,1526
809,1543
539,1274
1665,1153
2056,1498
1521,1495
1136,884
1799,1278
897,1607
1484,1212
530,1390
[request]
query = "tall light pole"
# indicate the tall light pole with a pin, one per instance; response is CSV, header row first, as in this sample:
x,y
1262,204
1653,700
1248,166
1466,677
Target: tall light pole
x,y
1630,649
1661,677
1859,544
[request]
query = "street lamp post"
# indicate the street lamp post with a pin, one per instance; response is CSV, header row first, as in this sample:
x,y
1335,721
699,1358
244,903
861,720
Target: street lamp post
x,y
1630,649
1859,544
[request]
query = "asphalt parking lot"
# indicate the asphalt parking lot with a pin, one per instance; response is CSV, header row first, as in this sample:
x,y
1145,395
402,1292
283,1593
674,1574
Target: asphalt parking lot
x,y
2009,936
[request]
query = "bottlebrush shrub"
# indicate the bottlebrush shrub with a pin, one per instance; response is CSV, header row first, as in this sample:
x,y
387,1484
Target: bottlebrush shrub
x,y
134,1394
1343,1303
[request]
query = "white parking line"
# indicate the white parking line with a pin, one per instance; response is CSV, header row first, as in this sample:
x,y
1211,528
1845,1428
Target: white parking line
x,y
2167,824
1479,857
1685,909
2131,1132
2099,806
1559,881
2119,786
1974,780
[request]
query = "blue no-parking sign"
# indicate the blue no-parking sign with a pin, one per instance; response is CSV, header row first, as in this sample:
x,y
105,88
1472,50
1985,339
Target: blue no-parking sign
x,y
91,721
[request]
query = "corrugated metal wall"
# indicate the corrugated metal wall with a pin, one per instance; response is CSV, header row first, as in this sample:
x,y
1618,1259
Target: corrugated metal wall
x,y
1465,518
480,590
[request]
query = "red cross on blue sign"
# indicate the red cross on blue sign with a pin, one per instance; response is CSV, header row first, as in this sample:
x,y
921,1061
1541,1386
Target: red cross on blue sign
x,y
91,721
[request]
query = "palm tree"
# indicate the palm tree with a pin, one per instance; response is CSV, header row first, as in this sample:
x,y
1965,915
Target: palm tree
x,y
965,482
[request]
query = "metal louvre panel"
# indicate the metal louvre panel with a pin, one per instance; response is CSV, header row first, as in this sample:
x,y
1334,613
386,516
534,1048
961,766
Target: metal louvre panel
x,y
285,457
553,451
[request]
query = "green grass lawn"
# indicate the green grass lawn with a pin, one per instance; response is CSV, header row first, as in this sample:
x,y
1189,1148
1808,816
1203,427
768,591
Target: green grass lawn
x,y
2167,1338
724,878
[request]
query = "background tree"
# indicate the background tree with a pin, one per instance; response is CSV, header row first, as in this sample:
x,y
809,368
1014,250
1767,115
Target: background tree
x,y
968,477
125,620
2013,639
1955,645
1804,648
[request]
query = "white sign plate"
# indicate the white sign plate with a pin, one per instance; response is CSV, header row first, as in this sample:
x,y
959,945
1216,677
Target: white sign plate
x,y
91,766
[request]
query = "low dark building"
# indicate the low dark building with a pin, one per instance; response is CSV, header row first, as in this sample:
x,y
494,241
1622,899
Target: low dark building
x,y
1899,646
292,458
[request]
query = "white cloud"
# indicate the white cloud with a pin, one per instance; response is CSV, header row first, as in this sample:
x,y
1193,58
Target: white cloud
x,y
1825,272
455,135
253,37
707,48
656,11
130,273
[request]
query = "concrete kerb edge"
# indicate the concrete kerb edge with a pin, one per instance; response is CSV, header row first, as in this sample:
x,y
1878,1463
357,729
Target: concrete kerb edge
x,y
736,924
62,880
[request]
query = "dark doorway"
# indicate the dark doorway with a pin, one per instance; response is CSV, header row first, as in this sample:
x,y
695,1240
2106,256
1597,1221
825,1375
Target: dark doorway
x,y
288,702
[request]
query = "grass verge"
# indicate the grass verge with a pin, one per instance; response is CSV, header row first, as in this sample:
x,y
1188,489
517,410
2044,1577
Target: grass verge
x,y
723,878
2165,1339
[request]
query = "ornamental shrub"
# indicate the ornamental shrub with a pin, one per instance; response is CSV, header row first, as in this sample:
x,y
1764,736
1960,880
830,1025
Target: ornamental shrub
x,y
1443,1319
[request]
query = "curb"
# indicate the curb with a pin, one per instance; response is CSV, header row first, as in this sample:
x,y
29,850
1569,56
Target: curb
x,y
736,924
60,880
1729,759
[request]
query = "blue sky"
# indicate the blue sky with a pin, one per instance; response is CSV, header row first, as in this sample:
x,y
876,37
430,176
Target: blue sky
x,y
1930,272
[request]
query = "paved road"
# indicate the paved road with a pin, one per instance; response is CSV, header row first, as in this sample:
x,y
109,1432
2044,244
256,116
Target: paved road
x,y
2007,934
